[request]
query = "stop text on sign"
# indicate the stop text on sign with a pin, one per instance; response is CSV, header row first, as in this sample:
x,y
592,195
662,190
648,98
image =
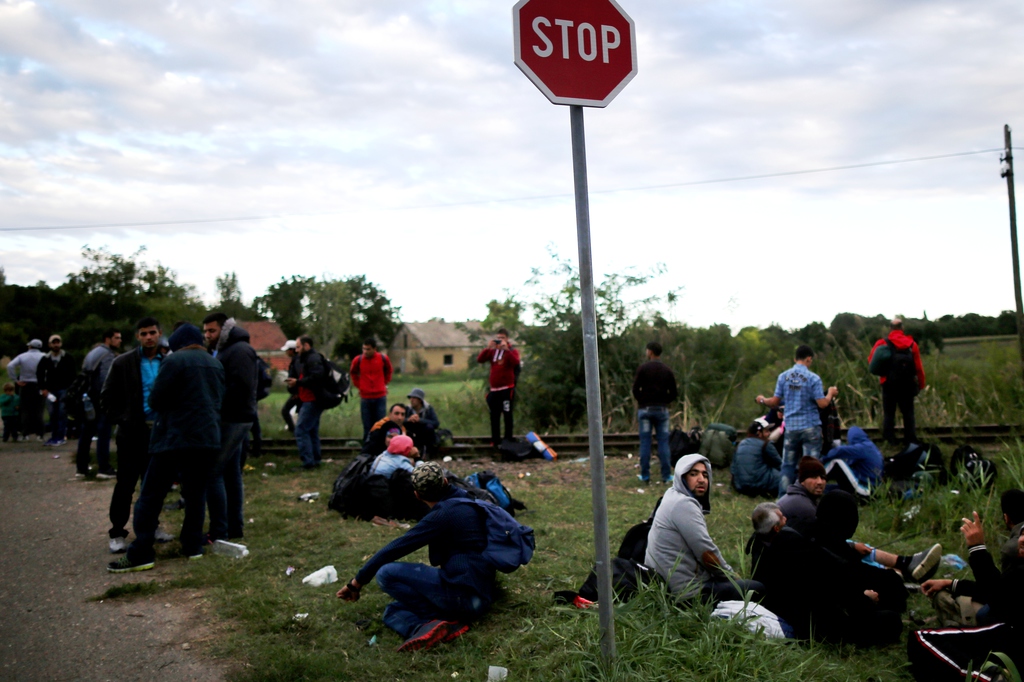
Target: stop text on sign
x,y
586,39
577,52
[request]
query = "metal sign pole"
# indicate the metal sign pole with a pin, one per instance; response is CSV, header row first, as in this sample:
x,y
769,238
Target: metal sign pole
x,y
594,420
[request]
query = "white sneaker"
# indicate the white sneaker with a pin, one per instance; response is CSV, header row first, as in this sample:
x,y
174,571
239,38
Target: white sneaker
x,y
162,536
118,545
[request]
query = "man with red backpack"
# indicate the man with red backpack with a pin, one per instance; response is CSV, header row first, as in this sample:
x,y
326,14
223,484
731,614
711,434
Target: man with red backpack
x,y
896,360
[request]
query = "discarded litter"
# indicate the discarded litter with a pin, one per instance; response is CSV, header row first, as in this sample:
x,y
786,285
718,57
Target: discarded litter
x,y
270,464
447,458
252,520
288,571
581,460
56,456
953,561
325,576
641,491
231,549
308,497
527,473
373,641
300,616
264,475
911,513
248,467
955,492
495,673
522,475
629,455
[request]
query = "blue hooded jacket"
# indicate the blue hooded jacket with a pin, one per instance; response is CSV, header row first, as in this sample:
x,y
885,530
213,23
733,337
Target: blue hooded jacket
x,y
863,457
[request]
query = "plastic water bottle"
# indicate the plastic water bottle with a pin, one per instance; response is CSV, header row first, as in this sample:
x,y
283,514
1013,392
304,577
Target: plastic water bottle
x,y
231,549
325,576
87,406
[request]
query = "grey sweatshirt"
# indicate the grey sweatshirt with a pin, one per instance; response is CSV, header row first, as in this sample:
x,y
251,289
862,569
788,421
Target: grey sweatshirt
x,y
679,536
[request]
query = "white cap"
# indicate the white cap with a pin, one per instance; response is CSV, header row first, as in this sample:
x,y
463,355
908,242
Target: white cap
x,y
290,345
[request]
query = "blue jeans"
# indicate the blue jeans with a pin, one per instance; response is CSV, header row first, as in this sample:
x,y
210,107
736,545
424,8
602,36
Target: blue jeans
x,y
420,596
656,419
224,492
372,410
307,434
795,444
191,468
58,416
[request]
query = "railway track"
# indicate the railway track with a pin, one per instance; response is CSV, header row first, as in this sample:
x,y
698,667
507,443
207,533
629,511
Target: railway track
x,y
619,444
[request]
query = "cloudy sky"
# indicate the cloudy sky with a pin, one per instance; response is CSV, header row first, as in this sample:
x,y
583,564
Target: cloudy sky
x,y
396,139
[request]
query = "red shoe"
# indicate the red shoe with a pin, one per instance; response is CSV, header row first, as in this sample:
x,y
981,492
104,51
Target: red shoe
x,y
429,634
455,630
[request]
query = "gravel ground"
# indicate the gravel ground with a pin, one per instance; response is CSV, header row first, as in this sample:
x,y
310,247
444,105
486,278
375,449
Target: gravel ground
x,y
54,532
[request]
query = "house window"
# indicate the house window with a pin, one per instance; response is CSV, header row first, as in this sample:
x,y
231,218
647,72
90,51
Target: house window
x,y
405,340
449,360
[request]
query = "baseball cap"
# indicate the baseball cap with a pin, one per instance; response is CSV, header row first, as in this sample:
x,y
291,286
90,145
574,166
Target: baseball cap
x,y
289,345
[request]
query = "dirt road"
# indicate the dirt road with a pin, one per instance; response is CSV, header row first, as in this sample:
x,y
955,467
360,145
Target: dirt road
x,y
54,538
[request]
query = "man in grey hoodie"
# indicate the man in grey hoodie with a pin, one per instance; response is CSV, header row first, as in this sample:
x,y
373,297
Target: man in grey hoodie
x,y
679,547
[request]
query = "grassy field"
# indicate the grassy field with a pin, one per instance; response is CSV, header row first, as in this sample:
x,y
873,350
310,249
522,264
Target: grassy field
x,y
525,632
458,399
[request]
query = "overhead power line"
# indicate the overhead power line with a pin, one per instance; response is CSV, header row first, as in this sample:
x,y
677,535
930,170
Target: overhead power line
x,y
539,197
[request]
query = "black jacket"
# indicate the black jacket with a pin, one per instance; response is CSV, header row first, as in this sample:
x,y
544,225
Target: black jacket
x,y
187,396
1003,592
121,396
55,375
654,385
313,370
240,374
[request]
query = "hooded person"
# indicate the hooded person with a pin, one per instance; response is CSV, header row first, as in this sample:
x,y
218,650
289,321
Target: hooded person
x,y
857,466
679,547
421,421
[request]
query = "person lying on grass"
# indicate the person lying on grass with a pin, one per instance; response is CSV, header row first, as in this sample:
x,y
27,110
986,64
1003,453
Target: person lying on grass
x,y
955,653
435,603
679,547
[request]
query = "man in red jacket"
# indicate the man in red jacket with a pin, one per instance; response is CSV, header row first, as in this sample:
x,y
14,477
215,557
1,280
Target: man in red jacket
x,y
504,361
901,383
371,374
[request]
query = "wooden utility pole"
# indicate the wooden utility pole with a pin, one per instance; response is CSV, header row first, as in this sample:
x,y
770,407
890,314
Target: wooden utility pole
x,y
1007,172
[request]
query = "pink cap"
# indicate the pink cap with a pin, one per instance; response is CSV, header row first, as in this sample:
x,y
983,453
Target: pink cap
x,y
400,445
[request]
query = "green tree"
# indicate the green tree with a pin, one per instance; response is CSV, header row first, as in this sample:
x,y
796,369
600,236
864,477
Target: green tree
x,y
329,313
285,303
230,299
505,314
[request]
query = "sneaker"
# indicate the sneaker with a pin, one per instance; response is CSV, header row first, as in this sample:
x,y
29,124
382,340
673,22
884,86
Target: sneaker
x,y
668,481
455,630
118,545
107,475
924,564
160,535
126,565
427,635
642,479
81,474
50,443
58,443
193,557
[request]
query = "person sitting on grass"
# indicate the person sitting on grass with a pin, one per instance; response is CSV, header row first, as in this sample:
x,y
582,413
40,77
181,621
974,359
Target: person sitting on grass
x,y
422,422
818,584
756,465
952,653
679,547
375,441
800,507
433,604
1012,503
856,466
400,455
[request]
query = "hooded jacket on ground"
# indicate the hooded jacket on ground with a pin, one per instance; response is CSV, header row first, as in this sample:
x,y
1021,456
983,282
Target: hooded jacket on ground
x,y
240,374
863,457
679,547
902,341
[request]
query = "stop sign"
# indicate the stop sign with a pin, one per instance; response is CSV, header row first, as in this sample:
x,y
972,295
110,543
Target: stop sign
x,y
576,51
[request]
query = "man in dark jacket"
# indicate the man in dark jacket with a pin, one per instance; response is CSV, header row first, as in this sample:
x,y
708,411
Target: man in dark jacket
x,y
902,379
421,422
187,395
97,364
56,371
393,425
229,343
124,400
312,372
755,466
800,503
654,388
433,603
943,654
293,402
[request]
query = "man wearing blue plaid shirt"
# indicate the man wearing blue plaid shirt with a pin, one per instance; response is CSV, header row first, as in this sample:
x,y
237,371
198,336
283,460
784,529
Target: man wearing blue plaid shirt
x,y
799,391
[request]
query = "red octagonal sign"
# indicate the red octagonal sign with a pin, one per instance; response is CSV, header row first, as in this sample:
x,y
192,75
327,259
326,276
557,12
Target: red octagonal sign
x,y
576,51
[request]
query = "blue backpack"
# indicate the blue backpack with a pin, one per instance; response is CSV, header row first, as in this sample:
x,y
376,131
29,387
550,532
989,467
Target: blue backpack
x,y
509,543
486,480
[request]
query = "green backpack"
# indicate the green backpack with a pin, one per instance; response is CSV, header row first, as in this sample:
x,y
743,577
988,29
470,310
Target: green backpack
x,y
719,444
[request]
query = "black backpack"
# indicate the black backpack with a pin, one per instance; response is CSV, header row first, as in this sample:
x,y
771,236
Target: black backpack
x,y
264,378
902,370
830,426
517,451
335,387
971,468
681,443
359,494
916,458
